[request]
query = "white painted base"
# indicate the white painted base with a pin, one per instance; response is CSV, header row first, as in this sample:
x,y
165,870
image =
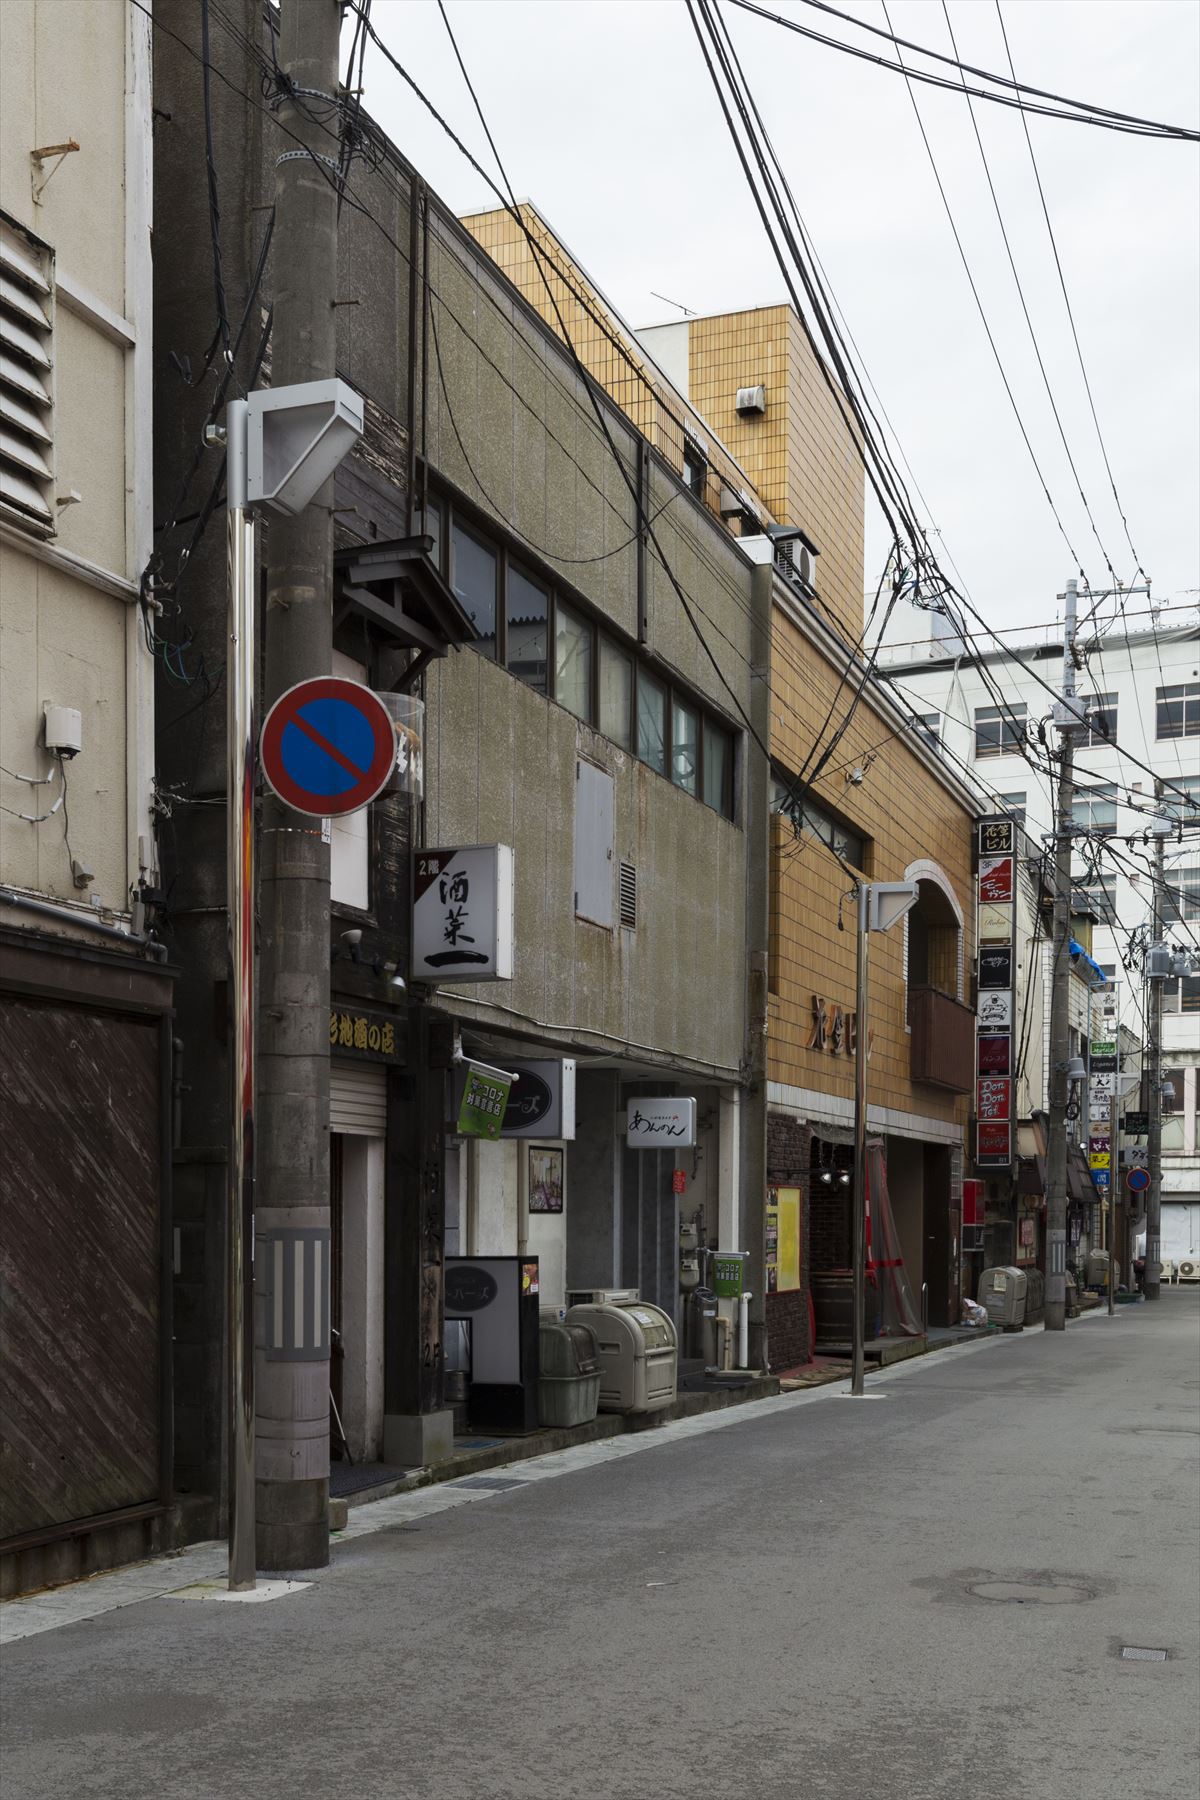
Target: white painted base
x,y
847,1396
218,1590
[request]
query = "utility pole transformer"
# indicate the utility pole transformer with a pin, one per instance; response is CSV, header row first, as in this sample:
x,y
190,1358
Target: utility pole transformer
x,y
292,1425
1067,718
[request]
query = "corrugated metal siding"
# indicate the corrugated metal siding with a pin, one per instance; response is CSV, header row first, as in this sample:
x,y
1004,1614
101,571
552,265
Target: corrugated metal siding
x,y
79,1264
357,1098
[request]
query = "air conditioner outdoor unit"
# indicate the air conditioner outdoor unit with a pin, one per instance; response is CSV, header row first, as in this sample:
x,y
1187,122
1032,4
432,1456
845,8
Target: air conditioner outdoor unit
x,y
1187,1271
1166,1270
601,1297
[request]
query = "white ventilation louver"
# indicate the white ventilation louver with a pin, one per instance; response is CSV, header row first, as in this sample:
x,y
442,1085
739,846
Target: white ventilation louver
x,y
26,382
752,401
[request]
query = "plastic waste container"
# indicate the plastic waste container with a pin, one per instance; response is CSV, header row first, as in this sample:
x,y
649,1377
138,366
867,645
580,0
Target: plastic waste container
x,y
637,1352
568,1373
1002,1292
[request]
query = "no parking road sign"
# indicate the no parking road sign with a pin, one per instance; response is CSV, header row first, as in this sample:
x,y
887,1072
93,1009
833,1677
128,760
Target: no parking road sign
x,y
328,746
1138,1180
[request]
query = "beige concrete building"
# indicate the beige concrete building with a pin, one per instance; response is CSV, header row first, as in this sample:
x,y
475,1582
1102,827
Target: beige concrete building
x,y
742,406
84,1032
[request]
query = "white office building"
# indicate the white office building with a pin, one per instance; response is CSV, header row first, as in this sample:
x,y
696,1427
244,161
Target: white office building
x,y
982,706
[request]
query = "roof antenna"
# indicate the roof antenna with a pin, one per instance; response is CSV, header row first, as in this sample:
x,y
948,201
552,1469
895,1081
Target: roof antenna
x,y
685,310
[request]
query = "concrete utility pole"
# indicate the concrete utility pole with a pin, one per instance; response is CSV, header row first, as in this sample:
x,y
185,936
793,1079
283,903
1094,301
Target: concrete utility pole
x,y
1060,989
1154,1097
293,1146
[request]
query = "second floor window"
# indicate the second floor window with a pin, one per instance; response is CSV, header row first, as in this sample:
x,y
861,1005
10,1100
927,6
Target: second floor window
x,y
560,649
1182,893
1014,804
807,815
1177,711
1102,721
1000,731
1095,807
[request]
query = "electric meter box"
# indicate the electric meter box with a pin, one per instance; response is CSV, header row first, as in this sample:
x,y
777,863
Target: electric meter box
x,y
729,1274
638,1354
1002,1293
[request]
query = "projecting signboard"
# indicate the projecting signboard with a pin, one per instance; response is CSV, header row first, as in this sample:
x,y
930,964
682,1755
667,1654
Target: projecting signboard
x,y
654,1124
995,923
541,1103
993,1143
996,878
994,1011
997,836
995,966
463,914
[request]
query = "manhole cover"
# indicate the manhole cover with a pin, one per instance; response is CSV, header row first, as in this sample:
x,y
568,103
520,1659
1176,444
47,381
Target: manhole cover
x,y
1030,1593
1134,1653
496,1484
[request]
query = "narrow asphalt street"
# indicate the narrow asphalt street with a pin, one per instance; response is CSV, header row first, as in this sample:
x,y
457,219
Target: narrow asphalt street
x,y
780,1607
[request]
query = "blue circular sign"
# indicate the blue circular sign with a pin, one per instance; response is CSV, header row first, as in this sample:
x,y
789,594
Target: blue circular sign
x,y
1138,1180
328,746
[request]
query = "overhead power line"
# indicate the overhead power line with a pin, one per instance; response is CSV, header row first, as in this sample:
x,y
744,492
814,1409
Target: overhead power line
x,y
1062,281
1084,112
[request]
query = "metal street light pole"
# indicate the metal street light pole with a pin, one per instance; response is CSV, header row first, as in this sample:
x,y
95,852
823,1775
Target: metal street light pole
x,y
241,749
881,904
1152,1279
861,1004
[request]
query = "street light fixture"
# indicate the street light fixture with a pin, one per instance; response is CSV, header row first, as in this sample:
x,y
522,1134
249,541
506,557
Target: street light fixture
x,y
881,904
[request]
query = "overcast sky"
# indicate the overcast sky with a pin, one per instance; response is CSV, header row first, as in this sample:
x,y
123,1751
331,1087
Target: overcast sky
x,y
604,114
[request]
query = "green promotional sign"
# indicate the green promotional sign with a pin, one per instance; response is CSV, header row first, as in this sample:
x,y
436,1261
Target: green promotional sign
x,y
481,1110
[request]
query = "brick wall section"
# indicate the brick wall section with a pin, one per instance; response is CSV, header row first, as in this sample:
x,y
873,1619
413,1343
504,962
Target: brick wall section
x,y
829,1211
789,1154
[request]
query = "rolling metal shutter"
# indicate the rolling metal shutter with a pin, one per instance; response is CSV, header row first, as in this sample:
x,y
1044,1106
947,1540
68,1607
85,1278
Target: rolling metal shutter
x,y
357,1098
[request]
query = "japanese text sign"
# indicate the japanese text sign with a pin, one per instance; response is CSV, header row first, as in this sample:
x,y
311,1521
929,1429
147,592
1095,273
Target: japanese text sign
x,y
463,914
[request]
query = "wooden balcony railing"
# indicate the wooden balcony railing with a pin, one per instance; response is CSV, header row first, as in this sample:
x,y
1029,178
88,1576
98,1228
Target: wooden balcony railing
x,y
943,1040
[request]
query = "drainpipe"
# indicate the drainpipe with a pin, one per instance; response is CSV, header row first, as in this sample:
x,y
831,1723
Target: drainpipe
x,y
743,1361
